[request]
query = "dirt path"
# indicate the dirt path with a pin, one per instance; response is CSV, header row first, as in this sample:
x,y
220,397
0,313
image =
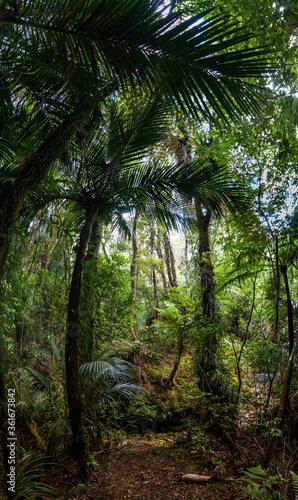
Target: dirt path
x,y
149,469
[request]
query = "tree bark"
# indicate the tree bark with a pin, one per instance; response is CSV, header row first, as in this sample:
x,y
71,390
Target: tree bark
x,y
155,291
177,361
88,304
163,275
277,290
284,272
238,360
133,268
71,347
170,261
207,354
205,262
186,265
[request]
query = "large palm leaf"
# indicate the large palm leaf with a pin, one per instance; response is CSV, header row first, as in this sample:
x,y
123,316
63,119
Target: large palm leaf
x,y
193,62
109,169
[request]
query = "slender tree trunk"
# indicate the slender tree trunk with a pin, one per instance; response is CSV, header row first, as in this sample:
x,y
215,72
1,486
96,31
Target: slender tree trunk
x,y
284,272
34,168
171,378
207,355
170,261
133,268
186,265
88,303
163,275
282,404
244,342
271,380
71,347
155,300
277,289
155,291
205,262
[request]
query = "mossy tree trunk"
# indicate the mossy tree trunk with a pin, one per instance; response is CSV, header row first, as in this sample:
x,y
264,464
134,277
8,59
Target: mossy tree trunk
x,y
170,260
71,346
133,274
88,305
163,274
206,357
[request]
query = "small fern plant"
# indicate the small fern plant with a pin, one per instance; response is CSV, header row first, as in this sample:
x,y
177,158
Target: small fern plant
x,y
261,486
294,478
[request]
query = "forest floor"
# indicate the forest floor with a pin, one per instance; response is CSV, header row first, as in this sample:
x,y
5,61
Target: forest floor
x,y
150,467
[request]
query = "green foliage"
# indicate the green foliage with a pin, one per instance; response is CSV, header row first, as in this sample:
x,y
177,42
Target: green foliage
x,y
59,439
294,478
176,318
118,159
28,483
108,290
262,356
261,485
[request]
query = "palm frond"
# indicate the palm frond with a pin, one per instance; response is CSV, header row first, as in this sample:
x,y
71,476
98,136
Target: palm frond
x,y
57,352
194,62
42,382
110,368
127,389
28,483
59,438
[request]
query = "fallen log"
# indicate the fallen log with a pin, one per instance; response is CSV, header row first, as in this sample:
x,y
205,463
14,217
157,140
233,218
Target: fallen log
x,y
194,478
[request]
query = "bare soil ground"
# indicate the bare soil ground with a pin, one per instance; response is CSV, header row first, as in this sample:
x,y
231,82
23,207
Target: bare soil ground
x,y
150,467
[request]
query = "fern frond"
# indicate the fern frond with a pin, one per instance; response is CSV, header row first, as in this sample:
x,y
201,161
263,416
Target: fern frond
x,y
294,478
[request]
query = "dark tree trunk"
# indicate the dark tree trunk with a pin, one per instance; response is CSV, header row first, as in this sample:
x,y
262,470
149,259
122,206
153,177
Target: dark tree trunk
x,y
186,265
133,273
71,347
207,356
238,359
286,375
34,168
89,303
277,290
205,263
155,291
284,272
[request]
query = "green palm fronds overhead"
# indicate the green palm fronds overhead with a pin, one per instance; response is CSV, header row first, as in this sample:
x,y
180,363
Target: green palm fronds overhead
x,y
193,62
